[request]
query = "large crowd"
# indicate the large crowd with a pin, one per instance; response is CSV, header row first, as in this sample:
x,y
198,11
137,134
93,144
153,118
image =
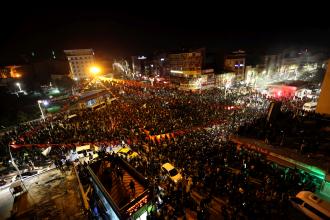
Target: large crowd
x,y
250,186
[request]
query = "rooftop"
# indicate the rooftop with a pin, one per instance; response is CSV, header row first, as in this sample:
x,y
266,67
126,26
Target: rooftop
x,y
118,191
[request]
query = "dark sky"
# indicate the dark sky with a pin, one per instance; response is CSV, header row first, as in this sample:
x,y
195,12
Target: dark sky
x,y
122,32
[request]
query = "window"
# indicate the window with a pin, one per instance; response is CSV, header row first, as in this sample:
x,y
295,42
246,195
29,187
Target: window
x,y
173,172
315,211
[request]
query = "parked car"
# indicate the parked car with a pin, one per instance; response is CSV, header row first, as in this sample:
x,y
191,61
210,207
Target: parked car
x,y
127,153
171,172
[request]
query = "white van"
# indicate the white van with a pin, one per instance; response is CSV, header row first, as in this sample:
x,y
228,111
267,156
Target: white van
x,y
311,205
310,106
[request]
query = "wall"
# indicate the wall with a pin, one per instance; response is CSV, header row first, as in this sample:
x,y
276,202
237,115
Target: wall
x,y
323,105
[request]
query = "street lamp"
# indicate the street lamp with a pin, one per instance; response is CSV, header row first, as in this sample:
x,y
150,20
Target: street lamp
x,y
19,86
45,103
95,70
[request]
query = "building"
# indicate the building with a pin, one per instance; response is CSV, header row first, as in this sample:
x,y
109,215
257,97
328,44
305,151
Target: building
x,y
225,79
193,80
253,74
13,71
323,105
141,66
186,61
235,62
149,66
158,65
190,70
79,61
292,64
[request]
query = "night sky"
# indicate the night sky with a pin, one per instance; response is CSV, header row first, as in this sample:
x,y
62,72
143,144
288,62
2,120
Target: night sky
x,y
117,32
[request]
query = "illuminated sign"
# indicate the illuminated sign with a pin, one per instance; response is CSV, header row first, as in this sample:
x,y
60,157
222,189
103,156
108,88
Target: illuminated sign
x,y
137,205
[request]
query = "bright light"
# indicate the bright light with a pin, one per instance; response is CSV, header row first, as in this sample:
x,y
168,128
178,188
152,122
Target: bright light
x,y
19,86
75,79
95,70
45,102
176,71
142,57
162,59
56,91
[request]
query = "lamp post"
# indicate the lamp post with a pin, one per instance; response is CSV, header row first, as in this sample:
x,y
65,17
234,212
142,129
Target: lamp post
x,y
19,86
45,103
16,167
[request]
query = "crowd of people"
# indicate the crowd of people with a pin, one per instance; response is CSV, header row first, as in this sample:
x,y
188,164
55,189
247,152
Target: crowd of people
x,y
293,129
249,185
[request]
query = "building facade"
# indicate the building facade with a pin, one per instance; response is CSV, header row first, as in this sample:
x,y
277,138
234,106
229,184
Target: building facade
x,y
186,61
292,63
80,60
189,70
235,62
140,65
323,105
11,72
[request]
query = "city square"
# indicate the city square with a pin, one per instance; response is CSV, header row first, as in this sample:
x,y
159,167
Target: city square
x,y
184,133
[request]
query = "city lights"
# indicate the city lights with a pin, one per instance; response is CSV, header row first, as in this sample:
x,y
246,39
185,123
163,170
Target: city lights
x,y
176,71
19,86
45,102
160,112
95,70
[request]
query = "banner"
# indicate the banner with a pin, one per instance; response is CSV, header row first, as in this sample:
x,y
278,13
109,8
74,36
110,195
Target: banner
x,y
158,138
